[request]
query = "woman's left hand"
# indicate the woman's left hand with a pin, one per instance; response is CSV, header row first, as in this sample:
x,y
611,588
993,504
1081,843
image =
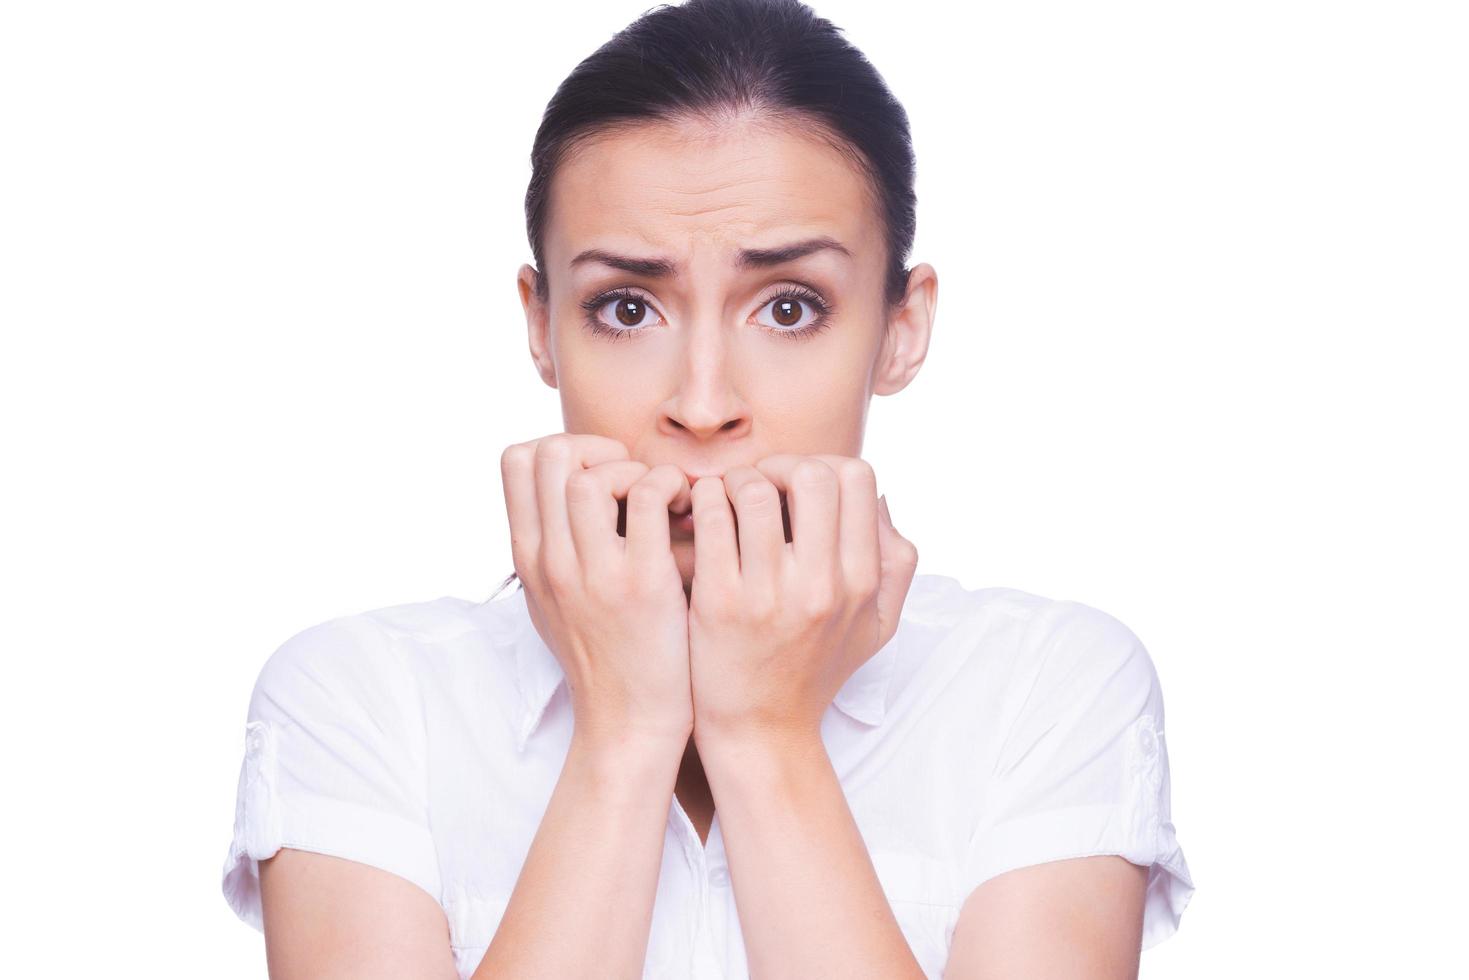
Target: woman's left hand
x,y
776,628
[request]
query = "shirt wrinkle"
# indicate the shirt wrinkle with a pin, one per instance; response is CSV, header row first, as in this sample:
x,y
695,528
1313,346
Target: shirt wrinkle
x,y
996,729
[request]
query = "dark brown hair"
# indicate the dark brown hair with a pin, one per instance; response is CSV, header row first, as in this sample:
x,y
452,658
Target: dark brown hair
x,y
710,58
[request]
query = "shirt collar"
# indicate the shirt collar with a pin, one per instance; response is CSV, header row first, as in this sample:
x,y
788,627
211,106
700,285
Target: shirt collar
x,y
538,674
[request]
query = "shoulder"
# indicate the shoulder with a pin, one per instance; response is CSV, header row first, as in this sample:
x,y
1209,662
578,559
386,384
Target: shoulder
x,y
378,648
1037,625
1065,637
1023,649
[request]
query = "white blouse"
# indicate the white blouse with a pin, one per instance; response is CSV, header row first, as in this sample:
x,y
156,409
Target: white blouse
x,y
996,729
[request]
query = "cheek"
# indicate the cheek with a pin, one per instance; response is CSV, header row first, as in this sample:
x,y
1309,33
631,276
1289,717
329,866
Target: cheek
x,y
601,399
818,410
829,367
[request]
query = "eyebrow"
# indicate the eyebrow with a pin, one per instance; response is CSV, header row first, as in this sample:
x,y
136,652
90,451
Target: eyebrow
x,y
748,258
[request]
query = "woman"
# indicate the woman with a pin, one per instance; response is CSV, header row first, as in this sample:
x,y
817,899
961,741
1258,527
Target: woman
x,y
722,729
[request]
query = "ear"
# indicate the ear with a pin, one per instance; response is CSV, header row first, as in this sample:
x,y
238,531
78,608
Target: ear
x,y
905,339
538,324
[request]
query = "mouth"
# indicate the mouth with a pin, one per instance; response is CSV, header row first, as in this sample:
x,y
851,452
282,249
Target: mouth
x,y
681,521
680,516
681,525
684,516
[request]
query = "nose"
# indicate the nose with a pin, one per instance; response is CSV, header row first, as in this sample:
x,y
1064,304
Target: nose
x,y
706,403
704,420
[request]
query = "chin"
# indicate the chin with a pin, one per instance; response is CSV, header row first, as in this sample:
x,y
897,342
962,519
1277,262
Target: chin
x,y
683,556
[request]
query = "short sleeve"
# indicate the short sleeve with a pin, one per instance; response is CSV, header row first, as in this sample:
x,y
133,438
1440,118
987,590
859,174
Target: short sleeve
x,y
333,761
1083,768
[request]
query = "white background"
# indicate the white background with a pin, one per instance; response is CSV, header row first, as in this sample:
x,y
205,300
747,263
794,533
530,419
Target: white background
x,y
1198,361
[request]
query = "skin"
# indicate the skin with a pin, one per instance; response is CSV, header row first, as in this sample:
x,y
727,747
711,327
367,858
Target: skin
x,y
798,579
706,390
703,387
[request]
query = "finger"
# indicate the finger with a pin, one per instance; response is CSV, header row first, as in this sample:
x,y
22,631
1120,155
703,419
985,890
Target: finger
x,y
517,474
859,534
591,506
762,537
812,497
899,564
649,501
556,456
716,554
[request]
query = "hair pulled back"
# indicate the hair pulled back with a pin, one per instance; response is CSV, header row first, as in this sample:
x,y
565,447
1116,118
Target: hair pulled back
x,y
716,59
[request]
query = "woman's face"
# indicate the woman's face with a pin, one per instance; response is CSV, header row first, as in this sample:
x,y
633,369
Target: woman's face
x,y
715,351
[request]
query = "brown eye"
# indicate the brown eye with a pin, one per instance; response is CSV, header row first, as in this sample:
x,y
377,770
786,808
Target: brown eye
x,y
787,312
794,312
630,311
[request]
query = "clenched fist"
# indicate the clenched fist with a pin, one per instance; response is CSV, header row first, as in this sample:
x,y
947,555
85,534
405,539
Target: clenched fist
x,y
612,609
775,627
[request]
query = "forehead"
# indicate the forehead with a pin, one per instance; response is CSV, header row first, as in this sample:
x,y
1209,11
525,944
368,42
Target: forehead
x,y
733,184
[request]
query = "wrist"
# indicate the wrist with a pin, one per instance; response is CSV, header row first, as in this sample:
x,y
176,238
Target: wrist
x,y
616,749
756,743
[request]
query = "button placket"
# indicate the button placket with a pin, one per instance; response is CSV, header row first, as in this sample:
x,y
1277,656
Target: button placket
x,y
688,839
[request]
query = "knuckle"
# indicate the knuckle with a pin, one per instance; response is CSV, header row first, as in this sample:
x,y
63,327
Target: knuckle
x,y
607,591
516,458
756,493
865,585
665,475
760,607
582,484
732,609
812,472
707,497
644,494
858,472
559,572
554,448
818,601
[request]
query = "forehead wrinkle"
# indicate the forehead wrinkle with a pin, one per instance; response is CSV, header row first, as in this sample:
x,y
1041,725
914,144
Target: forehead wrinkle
x,y
627,181
734,235
792,247
666,216
727,176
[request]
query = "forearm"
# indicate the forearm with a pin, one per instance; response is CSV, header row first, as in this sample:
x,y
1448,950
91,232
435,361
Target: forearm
x,y
809,900
583,903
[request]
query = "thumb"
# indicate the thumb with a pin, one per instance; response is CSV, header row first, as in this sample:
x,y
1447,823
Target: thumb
x,y
899,562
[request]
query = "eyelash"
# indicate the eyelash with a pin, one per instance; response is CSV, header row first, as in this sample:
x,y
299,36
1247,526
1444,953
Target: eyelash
x,y
824,311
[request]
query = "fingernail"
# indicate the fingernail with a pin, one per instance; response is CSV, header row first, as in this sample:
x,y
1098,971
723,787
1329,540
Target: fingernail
x,y
883,503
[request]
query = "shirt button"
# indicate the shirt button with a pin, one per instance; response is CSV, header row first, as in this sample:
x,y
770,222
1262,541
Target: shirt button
x,y
719,876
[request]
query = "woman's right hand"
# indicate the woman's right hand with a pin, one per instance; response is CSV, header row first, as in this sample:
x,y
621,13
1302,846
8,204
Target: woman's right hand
x,y
612,610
